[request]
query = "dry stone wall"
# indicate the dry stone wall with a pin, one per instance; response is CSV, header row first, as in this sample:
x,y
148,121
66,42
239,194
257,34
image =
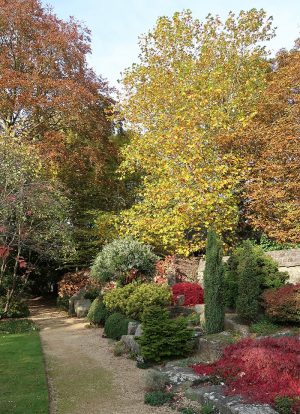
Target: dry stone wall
x,y
288,260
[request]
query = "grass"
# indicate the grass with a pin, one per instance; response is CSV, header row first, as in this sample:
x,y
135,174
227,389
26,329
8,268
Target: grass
x,y
23,385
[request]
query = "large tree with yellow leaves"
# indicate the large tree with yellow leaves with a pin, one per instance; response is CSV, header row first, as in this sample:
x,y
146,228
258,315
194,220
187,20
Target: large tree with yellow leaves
x,y
195,83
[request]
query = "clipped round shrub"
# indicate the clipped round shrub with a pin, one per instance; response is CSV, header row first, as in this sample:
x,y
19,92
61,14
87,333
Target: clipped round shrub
x,y
124,260
283,304
133,298
116,325
193,293
98,313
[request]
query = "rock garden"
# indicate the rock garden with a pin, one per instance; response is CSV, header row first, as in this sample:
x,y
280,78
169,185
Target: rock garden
x,y
228,345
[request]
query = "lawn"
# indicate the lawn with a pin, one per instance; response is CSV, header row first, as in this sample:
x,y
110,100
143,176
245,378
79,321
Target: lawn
x,y
23,385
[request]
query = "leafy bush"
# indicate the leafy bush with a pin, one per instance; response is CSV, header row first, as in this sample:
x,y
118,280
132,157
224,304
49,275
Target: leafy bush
x,y
263,327
156,380
116,325
98,313
163,337
266,270
193,293
16,326
92,293
158,398
270,367
133,298
283,304
17,309
214,285
62,302
124,260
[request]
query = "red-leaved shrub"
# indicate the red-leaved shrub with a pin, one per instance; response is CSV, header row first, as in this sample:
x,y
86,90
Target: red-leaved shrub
x,y
72,282
193,293
282,304
260,369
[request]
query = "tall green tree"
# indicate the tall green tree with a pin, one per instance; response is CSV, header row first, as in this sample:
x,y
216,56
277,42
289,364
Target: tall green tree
x,y
196,82
214,285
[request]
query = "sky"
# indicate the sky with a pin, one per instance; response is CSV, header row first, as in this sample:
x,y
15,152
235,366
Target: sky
x,y
117,24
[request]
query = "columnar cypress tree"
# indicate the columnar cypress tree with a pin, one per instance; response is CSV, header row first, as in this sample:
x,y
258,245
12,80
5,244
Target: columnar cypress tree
x,y
247,304
214,285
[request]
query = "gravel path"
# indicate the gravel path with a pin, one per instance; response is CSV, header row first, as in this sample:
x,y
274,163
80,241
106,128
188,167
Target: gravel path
x,y
84,376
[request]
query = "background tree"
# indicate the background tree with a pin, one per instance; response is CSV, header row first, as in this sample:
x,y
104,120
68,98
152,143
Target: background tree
x,y
214,285
271,143
195,83
50,98
34,221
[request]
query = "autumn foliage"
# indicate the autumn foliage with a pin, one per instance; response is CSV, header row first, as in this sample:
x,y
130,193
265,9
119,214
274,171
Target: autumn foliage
x,y
283,304
72,282
193,293
259,370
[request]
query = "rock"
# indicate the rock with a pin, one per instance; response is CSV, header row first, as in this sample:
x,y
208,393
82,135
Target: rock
x,y
226,405
211,347
130,344
180,300
82,307
139,330
201,310
178,375
132,326
232,325
78,296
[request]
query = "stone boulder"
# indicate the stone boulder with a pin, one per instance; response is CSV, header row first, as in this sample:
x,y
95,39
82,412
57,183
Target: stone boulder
x,y
139,330
131,344
78,296
132,327
82,307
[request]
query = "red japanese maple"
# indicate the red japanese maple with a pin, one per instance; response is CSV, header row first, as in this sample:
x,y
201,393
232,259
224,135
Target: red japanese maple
x,y
193,293
259,370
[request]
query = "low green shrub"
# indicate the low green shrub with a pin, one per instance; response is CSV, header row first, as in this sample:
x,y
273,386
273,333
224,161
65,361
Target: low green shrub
x,y
207,409
119,349
98,313
188,410
156,380
17,309
62,302
116,325
123,260
284,405
134,298
158,398
263,327
163,337
16,326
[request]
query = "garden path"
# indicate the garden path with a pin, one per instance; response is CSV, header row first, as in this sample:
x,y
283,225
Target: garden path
x,y
83,374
